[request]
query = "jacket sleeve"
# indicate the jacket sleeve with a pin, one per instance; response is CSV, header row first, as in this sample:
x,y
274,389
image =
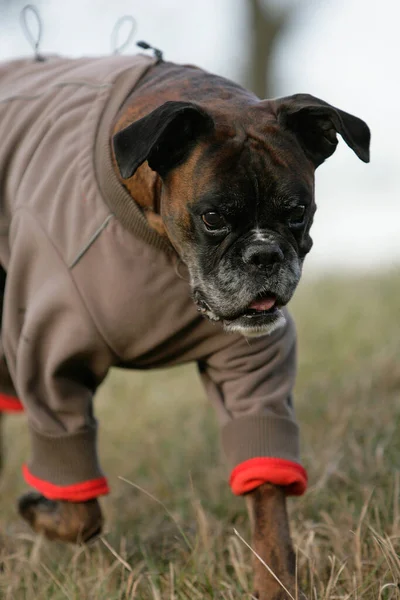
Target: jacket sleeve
x,y
250,383
57,359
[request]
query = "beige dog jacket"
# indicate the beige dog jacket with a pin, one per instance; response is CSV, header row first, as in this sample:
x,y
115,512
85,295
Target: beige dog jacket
x,y
90,286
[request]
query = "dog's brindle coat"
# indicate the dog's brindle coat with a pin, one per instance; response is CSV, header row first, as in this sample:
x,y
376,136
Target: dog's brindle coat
x,y
229,179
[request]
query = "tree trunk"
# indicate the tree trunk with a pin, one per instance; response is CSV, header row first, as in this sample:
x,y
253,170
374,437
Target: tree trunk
x,y
264,28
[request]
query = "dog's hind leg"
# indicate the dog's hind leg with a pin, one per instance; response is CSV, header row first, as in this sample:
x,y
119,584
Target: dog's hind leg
x,y
2,286
8,396
8,402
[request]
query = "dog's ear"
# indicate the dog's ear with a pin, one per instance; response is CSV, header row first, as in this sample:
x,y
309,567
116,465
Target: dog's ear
x,y
316,123
164,138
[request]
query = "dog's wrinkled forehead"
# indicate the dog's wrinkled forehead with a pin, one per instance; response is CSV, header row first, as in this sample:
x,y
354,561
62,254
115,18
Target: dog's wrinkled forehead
x,y
249,175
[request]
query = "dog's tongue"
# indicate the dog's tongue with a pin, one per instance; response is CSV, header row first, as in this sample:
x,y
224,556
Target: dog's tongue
x,y
263,304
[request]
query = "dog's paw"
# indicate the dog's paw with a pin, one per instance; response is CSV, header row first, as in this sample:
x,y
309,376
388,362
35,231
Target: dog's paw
x,y
75,522
280,594
269,588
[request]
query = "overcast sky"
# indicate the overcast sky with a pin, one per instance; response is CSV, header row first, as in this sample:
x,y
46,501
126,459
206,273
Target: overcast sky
x,y
344,51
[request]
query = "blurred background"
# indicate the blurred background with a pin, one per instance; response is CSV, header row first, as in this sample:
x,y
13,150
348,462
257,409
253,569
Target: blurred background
x,y
343,51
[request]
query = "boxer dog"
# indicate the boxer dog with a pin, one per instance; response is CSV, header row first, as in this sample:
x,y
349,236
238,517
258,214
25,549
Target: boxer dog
x,y
229,180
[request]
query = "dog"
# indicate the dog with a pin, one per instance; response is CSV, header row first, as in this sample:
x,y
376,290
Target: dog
x,y
225,181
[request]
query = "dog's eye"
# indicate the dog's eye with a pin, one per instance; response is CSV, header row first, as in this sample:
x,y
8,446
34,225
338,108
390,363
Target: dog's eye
x,y
213,220
296,217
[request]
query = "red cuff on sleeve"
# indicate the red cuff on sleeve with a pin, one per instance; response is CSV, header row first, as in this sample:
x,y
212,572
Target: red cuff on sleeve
x,y
10,404
252,473
77,492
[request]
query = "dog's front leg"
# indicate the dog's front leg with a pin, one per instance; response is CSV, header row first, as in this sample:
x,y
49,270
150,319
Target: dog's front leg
x,y
1,442
271,541
74,522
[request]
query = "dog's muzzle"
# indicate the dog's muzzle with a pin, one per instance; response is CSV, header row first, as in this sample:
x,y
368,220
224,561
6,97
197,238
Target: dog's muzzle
x,y
248,289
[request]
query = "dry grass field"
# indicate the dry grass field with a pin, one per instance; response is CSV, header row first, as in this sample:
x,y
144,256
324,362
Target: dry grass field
x,y
171,516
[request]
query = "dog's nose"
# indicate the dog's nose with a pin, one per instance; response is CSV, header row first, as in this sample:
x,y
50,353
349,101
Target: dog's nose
x,y
263,256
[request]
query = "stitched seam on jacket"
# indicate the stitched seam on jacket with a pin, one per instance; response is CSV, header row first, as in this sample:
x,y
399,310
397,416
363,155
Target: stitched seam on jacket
x,y
91,241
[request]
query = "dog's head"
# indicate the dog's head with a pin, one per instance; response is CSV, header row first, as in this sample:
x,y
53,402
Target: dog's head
x,y
238,195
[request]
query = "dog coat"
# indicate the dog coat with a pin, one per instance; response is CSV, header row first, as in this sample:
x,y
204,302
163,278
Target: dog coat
x,y
89,285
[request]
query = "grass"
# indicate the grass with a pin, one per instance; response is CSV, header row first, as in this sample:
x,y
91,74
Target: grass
x,y
171,516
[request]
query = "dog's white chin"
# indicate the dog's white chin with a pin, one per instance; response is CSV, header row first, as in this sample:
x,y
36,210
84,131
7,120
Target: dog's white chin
x,y
256,330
